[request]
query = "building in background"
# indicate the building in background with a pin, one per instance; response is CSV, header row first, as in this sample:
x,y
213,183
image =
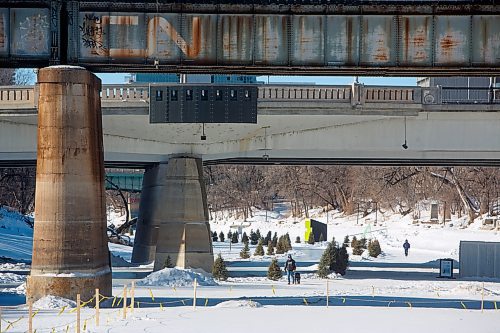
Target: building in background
x,y
192,78
476,89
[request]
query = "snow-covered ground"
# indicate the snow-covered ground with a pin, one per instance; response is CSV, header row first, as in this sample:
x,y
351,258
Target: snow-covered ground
x,y
391,293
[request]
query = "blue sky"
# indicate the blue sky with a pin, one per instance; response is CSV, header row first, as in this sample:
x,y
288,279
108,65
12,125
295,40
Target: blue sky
x,y
108,78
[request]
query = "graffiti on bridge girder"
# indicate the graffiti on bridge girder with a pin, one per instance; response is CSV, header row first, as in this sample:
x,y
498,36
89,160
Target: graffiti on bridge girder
x,y
94,31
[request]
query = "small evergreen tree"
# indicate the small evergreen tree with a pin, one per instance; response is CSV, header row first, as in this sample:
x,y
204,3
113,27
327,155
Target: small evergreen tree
x,y
215,237
342,261
374,249
321,238
363,242
221,237
326,261
229,235
234,237
270,248
244,238
254,238
353,242
259,250
168,263
257,232
274,271
280,247
275,239
346,241
268,237
288,243
357,247
310,240
245,252
297,239
219,270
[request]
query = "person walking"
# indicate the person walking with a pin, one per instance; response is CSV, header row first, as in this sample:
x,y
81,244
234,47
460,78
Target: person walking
x,y
290,269
406,246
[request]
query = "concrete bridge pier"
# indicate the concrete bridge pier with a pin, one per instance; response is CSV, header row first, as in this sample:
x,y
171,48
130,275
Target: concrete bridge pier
x,y
70,249
152,211
173,218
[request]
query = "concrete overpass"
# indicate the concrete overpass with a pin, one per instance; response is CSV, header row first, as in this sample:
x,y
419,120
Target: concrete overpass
x,y
296,124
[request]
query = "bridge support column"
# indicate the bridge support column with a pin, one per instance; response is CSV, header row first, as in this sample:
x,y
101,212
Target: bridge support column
x,y
185,233
176,193
152,211
70,250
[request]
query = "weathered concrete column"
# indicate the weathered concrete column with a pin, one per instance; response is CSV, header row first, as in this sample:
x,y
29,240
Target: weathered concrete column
x,y
70,250
152,212
184,232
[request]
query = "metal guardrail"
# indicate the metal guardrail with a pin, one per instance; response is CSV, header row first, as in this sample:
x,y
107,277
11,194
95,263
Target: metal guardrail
x,y
20,97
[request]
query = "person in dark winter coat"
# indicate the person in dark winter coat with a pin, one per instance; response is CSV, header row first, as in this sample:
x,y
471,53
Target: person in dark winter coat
x,y
290,269
406,246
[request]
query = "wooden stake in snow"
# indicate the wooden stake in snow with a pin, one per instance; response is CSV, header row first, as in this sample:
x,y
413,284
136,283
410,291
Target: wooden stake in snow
x,y
97,307
482,298
132,296
125,302
77,313
194,293
30,318
327,293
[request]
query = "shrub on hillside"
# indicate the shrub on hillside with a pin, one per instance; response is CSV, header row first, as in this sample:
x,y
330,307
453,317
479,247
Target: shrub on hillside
x,y
374,249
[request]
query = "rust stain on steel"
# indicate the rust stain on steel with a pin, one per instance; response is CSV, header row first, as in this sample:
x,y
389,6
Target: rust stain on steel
x,y
381,51
2,31
447,44
349,39
191,50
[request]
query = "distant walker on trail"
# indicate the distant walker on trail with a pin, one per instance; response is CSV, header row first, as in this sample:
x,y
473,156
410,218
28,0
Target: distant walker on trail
x,y
290,269
406,246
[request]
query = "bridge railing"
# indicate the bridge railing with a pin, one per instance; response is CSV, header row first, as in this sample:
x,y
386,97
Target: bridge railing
x,y
120,92
329,93
391,94
25,97
21,96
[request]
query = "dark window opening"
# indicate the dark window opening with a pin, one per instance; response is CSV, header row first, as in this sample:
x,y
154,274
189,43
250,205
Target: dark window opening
x,y
159,95
233,95
218,95
173,95
204,95
189,95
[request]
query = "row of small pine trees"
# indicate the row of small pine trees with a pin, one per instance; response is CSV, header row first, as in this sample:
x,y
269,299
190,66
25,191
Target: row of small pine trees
x,y
283,244
219,270
360,245
334,259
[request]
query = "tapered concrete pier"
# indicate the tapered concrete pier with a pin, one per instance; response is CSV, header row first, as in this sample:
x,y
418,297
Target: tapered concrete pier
x,y
152,211
70,250
173,218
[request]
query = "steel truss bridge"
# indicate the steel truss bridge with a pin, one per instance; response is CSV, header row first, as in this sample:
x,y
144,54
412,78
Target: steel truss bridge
x,y
390,38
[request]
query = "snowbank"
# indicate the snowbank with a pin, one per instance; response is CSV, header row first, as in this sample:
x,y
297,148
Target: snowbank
x,y
13,267
19,290
239,304
11,278
12,222
177,277
53,302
